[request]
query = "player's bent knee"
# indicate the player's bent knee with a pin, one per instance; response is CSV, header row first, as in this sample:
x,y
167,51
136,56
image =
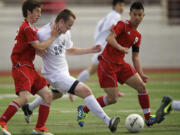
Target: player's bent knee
x,y
142,88
82,90
47,97
112,100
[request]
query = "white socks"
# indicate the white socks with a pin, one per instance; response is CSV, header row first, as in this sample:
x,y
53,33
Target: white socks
x,y
95,108
35,103
175,105
83,76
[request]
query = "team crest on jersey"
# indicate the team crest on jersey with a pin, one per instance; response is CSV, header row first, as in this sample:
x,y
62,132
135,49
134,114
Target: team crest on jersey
x,y
136,40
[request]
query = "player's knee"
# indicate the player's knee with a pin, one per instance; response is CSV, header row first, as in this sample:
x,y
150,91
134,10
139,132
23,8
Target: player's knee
x,y
23,98
57,95
112,100
142,87
82,90
47,97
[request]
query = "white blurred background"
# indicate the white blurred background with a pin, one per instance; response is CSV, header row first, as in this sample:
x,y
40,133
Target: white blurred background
x,y
160,30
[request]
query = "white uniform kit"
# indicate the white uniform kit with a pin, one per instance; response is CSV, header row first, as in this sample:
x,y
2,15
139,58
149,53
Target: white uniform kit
x,y
55,68
103,30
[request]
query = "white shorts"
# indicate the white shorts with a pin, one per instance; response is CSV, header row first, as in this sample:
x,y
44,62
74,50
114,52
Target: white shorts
x,y
62,82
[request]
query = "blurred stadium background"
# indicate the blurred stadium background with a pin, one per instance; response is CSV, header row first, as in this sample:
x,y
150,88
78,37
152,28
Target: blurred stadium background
x,y
160,30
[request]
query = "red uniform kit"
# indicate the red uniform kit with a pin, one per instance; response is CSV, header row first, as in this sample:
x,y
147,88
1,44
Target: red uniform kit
x,y
22,57
112,68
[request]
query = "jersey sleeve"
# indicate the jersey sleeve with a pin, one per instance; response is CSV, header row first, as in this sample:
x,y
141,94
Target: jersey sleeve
x,y
135,47
30,35
118,28
69,42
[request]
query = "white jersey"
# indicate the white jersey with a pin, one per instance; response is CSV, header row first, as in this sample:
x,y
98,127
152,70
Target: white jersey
x,y
103,27
54,61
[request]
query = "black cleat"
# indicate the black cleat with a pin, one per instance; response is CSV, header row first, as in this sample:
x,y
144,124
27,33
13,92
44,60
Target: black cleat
x,y
113,124
27,112
164,109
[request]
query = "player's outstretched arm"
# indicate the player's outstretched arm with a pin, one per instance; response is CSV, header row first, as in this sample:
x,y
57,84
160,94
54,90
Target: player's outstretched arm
x,y
111,39
138,67
43,45
81,51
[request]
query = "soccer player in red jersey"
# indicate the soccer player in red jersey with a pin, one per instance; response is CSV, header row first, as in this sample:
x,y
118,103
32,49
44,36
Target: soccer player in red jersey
x,y
112,68
26,79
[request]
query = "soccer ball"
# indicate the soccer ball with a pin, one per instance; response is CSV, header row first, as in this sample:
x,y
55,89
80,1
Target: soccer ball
x,y
134,123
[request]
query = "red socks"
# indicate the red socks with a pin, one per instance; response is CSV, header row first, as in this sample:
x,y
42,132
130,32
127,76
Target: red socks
x,y
10,111
100,100
145,104
43,115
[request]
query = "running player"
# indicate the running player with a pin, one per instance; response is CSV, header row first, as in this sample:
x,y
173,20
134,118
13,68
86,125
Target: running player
x,y
102,31
167,105
26,79
112,68
55,68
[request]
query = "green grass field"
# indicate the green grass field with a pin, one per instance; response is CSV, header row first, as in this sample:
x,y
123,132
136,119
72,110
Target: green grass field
x,y
62,119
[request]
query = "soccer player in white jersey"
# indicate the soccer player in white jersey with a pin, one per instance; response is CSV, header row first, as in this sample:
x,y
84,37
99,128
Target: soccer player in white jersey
x,y
102,31
55,68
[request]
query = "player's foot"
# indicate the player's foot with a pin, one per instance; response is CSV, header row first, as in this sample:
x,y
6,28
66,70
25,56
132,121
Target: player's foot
x,y
151,121
120,94
164,109
27,112
81,116
41,131
113,124
3,128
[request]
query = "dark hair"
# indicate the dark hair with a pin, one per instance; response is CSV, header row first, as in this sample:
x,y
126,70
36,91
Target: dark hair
x,y
29,5
137,5
65,14
114,2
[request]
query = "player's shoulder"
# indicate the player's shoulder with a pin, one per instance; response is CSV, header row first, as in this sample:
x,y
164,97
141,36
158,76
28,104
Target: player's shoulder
x,y
123,22
44,28
113,14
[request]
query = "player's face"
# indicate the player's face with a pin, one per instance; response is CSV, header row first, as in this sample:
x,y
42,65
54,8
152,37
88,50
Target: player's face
x,y
137,16
35,15
120,7
65,26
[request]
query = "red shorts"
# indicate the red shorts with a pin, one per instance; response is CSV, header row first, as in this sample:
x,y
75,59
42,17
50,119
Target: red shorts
x,y
109,74
26,78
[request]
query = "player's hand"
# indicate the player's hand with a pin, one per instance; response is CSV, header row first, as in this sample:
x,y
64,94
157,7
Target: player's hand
x,y
125,50
71,97
96,48
145,78
41,52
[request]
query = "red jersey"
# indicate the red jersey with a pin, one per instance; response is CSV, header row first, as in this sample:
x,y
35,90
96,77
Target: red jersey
x,y
23,52
126,37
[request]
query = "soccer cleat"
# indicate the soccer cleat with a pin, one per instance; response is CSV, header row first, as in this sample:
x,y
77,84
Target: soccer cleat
x,y
27,112
81,116
113,124
3,128
151,121
164,109
41,131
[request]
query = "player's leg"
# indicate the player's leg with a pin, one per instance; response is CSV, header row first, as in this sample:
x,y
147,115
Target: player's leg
x,y
44,107
12,109
137,83
84,92
85,74
165,108
175,105
28,108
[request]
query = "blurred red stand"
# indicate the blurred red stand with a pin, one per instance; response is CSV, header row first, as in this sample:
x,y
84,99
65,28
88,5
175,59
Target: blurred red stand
x,y
53,6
